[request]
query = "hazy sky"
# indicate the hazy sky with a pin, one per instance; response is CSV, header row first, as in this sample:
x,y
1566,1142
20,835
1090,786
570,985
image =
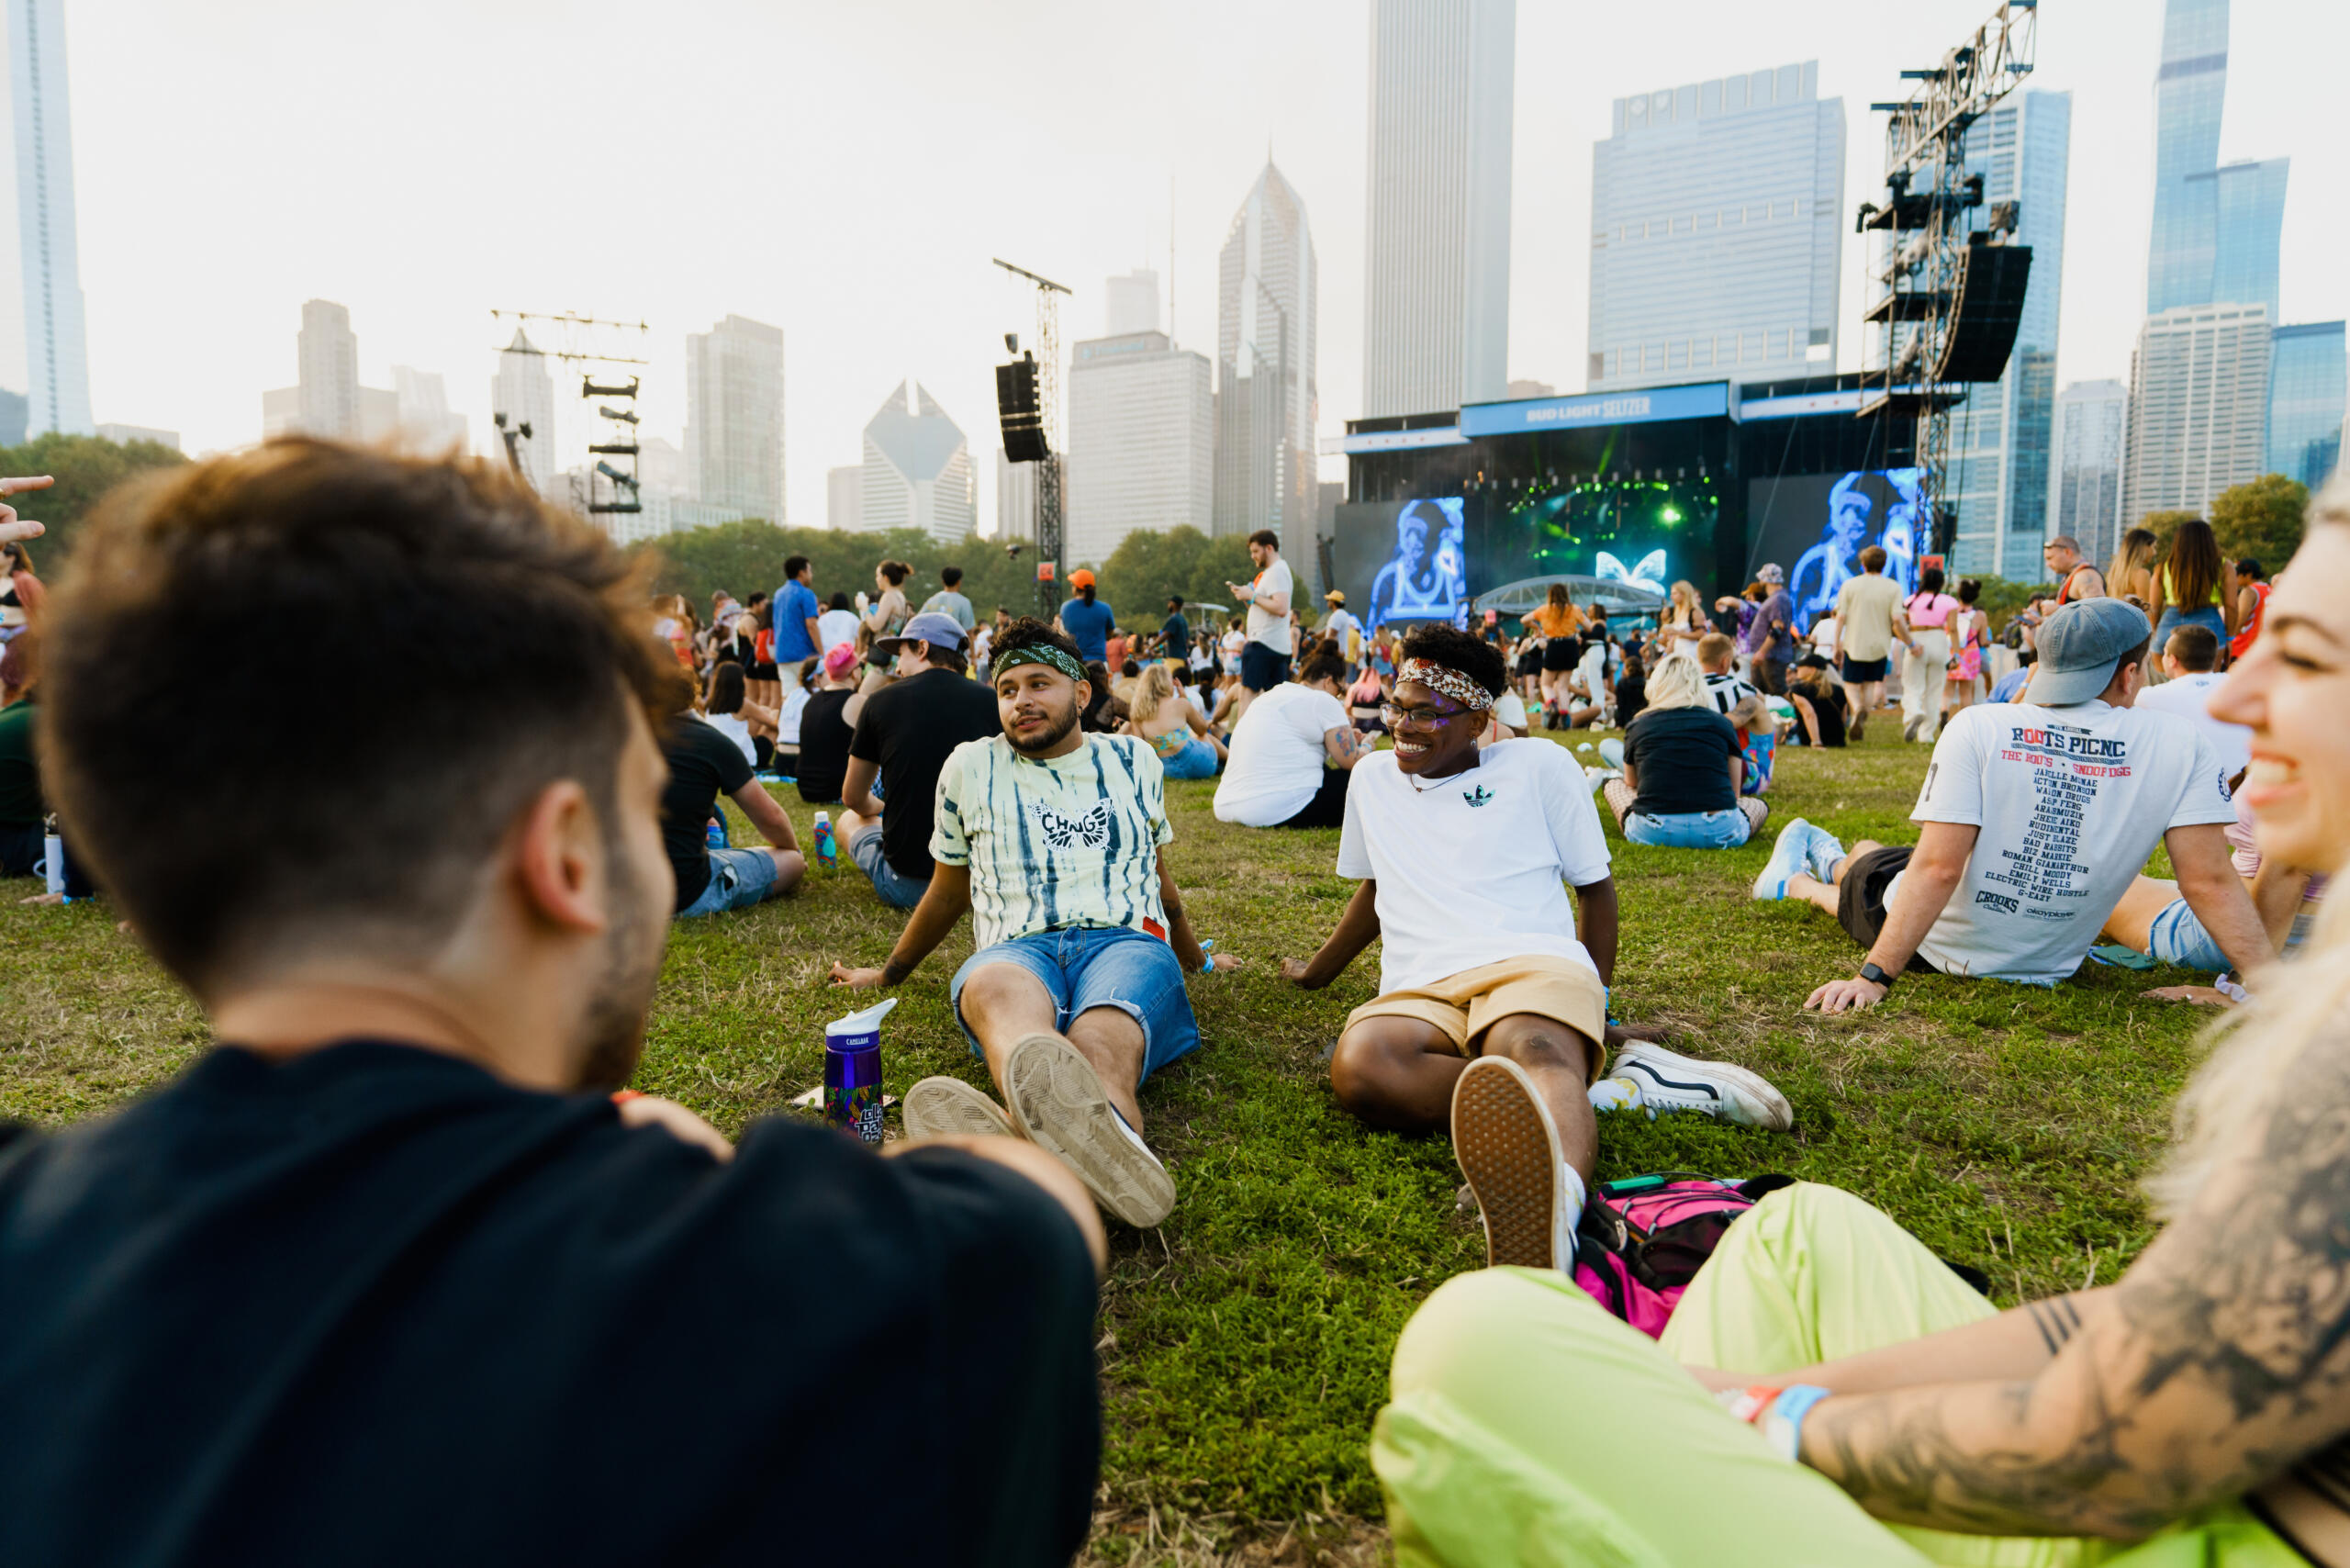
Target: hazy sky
x,y
845,172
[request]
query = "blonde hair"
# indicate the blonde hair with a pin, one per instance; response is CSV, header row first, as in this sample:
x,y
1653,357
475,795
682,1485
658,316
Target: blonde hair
x,y
2257,1049
1685,597
1155,687
1676,681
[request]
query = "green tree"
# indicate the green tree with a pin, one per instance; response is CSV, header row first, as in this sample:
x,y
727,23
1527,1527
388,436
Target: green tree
x,y
1149,565
85,468
2261,520
747,558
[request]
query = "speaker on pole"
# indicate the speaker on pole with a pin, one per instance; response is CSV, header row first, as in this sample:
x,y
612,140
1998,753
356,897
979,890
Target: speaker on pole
x,y
1020,410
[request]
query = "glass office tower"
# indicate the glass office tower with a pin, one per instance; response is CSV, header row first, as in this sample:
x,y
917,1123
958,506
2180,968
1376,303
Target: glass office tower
x,y
2305,401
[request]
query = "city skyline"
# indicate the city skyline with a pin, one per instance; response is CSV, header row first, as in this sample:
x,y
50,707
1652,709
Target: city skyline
x,y
189,346
50,345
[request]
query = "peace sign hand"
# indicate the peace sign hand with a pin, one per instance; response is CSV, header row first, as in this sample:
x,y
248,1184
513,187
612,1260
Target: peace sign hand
x,y
10,528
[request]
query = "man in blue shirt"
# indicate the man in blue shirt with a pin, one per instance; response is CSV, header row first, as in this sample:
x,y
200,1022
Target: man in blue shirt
x,y
949,599
795,614
1175,633
1085,619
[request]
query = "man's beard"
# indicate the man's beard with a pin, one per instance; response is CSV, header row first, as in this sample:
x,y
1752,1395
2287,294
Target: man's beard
x,y
613,1027
1062,725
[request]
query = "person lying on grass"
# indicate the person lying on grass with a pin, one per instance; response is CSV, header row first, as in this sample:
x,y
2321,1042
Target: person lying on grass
x,y
1463,857
385,1276
2034,818
1828,1393
1054,839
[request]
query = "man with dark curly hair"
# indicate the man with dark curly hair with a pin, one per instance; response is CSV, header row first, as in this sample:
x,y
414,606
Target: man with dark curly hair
x,y
1492,1011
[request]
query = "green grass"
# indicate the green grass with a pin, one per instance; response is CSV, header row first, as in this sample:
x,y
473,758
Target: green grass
x,y
1243,1346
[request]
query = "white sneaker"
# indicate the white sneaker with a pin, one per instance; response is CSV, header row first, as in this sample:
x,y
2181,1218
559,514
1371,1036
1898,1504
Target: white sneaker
x,y
948,1107
1671,1082
1508,1147
1821,850
1611,752
1786,859
1058,1102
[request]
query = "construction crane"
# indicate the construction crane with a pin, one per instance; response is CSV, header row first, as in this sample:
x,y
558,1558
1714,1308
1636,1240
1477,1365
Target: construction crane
x,y
1946,289
1047,415
588,341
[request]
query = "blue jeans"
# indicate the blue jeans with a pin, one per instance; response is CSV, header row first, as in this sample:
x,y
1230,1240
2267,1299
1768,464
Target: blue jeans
x,y
2178,937
1196,760
896,890
738,878
2174,618
1688,830
1085,967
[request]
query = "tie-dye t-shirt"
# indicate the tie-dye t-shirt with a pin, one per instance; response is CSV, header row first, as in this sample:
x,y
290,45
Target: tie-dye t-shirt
x,y
1071,841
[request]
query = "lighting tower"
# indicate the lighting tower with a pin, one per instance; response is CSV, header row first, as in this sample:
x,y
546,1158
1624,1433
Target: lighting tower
x,y
589,342
1048,414
1946,292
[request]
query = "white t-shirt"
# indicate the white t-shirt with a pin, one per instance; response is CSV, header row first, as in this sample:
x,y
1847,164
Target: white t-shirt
x,y
2070,802
735,728
1264,626
2190,696
1471,870
835,627
787,718
1276,755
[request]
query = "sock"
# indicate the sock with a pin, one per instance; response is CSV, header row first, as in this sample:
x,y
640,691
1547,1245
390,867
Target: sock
x,y
1573,1197
1615,1094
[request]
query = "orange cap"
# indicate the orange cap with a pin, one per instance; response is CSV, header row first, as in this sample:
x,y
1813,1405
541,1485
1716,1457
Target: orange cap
x,y
1080,578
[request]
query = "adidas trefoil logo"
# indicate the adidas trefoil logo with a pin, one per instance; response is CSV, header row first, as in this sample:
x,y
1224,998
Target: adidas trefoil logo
x,y
1478,796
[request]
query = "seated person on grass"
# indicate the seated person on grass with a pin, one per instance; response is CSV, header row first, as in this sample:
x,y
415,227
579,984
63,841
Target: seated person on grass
x,y
1829,1393
1053,840
1462,858
1821,708
1683,765
1292,752
1717,655
1160,713
705,763
2034,818
1758,736
827,725
904,733
391,1237
2152,919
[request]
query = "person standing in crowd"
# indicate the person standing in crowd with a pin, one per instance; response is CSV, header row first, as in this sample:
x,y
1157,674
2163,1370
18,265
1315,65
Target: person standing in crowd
x,y
826,728
886,615
1085,619
1176,730
754,649
2187,588
2247,602
1723,688
2075,578
1558,625
1114,649
1680,623
1683,769
2190,659
1969,634
704,762
1055,841
905,733
1926,671
1821,708
405,1215
983,649
1175,632
1868,620
22,810
1343,628
793,612
949,601
1293,750
1776,642
2130,574
1265,653
838,625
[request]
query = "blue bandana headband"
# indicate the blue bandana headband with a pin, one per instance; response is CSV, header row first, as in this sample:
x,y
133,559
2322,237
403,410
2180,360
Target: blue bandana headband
x,y
1041,654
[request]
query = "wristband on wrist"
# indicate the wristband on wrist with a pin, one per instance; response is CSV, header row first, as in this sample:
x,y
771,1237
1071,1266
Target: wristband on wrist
x,y
1207,955
2226,986
1776,1412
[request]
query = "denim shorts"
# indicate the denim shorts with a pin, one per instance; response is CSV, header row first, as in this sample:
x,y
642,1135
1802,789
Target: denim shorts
x,y
1087,967
2174,618
1196,760
1688,830
738,878
2178,937
896,889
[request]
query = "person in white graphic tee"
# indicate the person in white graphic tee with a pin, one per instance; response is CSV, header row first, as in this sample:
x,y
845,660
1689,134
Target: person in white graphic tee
x,y
2035,817
1272,638
1492,1011
2187,659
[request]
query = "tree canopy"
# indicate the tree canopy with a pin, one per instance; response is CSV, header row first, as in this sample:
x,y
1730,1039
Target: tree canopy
x,y
2261,520
85,467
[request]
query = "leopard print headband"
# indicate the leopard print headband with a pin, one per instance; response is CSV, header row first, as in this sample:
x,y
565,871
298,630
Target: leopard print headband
x,y
1452,682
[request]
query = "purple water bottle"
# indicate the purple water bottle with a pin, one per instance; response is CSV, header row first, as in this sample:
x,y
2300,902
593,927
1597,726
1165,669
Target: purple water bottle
x,y
853,1071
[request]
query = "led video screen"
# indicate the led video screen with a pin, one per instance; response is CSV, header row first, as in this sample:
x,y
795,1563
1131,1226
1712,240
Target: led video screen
x,y
1643,535
1816,525
1400,562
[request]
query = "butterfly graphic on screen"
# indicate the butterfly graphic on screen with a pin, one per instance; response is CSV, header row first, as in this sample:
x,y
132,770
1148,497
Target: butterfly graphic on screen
x,y
1649,574
1091,831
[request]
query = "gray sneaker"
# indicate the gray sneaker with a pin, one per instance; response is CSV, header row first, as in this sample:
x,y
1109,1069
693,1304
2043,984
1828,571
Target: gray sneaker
x,y
1058,1102
948,1107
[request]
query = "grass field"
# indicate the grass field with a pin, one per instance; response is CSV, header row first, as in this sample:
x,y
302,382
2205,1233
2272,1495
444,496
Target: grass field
x,y
1243,1346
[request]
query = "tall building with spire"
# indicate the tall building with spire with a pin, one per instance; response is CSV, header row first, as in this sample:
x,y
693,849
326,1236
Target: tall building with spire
x,y
917,469
2217,228
48,355
1266,470
1436,283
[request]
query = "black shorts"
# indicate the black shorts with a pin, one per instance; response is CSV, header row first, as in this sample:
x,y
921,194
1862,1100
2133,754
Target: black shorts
x,y
1261,670
1530,662
1859,672
1328,807
761,672
1860,897
1561,654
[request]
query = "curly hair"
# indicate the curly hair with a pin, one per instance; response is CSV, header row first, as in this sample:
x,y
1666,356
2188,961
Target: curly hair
x,y
1030,633
1457,650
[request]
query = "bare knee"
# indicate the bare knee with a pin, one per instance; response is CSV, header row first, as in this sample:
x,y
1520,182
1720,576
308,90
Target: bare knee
x,y
1542,1043
1384,1079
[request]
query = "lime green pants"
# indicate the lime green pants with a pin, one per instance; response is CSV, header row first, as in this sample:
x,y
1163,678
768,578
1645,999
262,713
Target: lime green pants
x,y
1529,1427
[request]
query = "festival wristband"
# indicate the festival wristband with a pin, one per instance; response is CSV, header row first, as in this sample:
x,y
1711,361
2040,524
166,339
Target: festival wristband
x,y
2228,988
1776,1412
1207,957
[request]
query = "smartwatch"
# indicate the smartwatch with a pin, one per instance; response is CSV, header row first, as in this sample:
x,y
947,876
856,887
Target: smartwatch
x,y
1871,972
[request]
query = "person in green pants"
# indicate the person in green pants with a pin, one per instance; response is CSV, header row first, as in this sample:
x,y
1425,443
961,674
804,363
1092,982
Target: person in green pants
x,y
1879,1412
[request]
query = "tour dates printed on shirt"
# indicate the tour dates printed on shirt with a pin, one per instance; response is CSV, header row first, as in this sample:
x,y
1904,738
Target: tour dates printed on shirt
x,y
2068,766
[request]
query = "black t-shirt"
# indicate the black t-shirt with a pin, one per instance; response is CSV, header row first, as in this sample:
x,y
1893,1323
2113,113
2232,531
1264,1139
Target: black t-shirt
x,y
373,1307
703,764
1175,633
824,746
1679,758
1828,705
1631,696
908,729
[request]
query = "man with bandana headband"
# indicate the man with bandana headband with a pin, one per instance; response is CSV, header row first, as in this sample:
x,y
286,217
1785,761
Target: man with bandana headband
x,y
1051,837
1492,1015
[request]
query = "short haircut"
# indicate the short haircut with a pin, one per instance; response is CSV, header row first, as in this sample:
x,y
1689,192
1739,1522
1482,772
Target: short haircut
x,y
725,689
950,576
1873,558
1713,646
945,658
793,565
840,601
2196,647
1030,633
1677,682
1323,666
1131,667
1453,649
1266,537
1174,601
2248,568
755,601
474,643
2063,541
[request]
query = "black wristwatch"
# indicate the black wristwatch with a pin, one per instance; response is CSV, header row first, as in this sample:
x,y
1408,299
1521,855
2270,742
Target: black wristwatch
x,y
1876,976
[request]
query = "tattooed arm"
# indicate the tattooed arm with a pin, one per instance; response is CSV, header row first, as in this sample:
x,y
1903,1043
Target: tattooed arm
x,y
2223,1357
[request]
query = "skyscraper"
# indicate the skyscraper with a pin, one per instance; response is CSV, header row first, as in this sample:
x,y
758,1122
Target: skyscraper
x,y
844,496
917,469
735,416
2216,230
1015,499
2085,465
1265,464
327,351
2198,407
1717,216
426,423
2000,435
1132,304
524,393
1141,443
2305,402
55,367
1435,285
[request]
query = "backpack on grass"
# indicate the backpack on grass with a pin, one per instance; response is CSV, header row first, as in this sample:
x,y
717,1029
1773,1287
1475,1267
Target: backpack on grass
x,y
1642,1239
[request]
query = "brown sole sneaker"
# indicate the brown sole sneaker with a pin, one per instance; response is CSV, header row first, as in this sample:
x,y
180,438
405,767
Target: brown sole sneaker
x,y
1508,1147
1058,1102
948,1107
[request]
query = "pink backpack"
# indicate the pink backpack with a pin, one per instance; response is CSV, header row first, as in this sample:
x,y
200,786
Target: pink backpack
x,y
1643,1239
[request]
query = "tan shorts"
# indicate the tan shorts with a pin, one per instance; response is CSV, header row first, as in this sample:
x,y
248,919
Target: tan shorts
x,y
1465,1005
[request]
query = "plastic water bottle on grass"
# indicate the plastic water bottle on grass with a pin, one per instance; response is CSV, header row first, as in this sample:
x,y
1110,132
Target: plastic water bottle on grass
x,y
828,854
